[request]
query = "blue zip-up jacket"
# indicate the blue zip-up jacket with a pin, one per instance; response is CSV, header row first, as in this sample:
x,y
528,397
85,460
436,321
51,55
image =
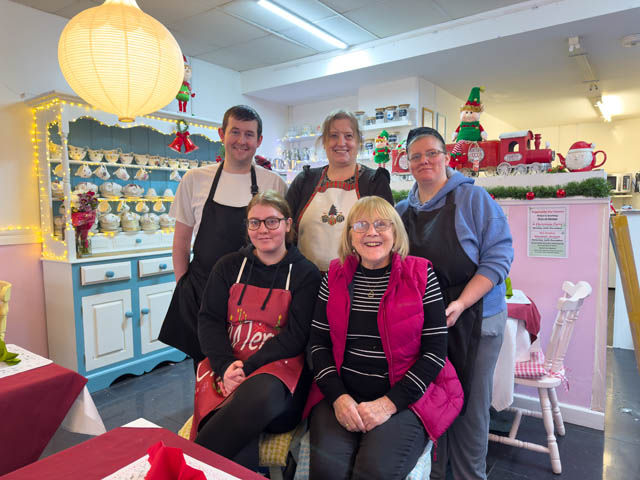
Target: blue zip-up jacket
x,y
482,229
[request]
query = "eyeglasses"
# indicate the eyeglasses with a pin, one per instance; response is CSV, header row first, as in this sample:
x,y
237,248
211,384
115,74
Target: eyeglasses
x,y
272,223
379,226
430,154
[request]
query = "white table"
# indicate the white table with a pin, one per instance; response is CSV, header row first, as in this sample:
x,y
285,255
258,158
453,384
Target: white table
x,y
516,347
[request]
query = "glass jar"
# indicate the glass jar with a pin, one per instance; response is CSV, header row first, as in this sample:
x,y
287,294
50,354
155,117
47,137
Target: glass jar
x,y
380,115
391,113
369,146
371,121
403,111
360,116
393,139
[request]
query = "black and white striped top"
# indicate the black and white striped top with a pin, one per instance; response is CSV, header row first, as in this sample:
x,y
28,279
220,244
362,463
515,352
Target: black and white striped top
x,y
365,372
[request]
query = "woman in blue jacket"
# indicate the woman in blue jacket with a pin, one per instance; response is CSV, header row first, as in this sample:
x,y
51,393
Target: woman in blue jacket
x,y
465,233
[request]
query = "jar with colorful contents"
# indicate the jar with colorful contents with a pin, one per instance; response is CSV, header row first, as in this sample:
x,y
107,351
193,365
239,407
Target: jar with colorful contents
x,y
360,116
380,115
403,111
391,113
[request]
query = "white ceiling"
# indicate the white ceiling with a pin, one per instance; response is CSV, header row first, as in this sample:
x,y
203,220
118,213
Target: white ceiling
x,y
530,78
240,35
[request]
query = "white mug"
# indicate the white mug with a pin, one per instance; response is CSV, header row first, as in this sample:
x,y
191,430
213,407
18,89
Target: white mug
x,y
102,172
83,171
142,207
142,174
58,170
104,208
122,174
175,176
158,207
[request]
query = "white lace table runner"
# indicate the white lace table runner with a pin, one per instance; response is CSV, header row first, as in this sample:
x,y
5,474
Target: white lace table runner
x,y
29,361
138,469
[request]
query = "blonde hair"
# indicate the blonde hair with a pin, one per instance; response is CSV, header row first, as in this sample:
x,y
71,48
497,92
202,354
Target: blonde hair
x,y
340,115
374,208
272,198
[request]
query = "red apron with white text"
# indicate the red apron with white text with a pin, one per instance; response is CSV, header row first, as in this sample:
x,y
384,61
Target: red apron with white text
x,y
249,327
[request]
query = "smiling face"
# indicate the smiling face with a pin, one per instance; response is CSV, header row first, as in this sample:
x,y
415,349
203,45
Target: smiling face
x,y
241,140
424,169
341,143
268,242
469,116
373,247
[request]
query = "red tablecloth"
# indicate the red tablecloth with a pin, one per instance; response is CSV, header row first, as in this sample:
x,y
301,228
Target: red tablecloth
x,y
527,313
103,455
32,406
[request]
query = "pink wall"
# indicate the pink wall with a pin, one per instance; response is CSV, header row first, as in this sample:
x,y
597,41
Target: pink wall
x,y
26,324
541,279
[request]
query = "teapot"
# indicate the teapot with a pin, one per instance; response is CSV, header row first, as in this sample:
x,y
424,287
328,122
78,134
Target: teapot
x,y
130,221
132,190
581,157
110,189
84,187
109,222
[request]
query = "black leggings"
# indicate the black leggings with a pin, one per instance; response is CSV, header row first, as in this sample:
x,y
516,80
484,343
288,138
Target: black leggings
x,y
260,404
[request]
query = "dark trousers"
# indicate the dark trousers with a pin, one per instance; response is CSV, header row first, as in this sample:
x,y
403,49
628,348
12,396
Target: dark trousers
x,y
260,404
389,451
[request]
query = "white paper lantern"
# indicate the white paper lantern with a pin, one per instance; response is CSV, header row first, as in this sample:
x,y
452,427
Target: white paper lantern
x,y
121,60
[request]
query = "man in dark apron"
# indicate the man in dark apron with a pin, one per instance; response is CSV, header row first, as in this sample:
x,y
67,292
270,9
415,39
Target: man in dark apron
x,y
215,211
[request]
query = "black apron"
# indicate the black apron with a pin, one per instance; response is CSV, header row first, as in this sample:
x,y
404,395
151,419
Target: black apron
x,y
432,235
222,231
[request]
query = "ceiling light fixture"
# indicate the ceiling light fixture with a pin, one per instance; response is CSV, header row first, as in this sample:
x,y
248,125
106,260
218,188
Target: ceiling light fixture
x,y
120,60
609,105
299,22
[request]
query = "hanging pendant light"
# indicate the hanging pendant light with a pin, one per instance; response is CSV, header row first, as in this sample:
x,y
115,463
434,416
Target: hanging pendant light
x,y
121,60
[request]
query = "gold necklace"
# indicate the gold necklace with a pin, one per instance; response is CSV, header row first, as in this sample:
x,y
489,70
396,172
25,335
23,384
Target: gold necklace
x,y
371,288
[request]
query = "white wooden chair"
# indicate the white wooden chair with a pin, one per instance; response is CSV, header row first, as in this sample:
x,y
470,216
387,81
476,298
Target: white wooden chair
x,y
5,295
568,308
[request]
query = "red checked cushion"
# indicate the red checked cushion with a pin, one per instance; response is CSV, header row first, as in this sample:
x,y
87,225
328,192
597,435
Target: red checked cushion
x,y
533,368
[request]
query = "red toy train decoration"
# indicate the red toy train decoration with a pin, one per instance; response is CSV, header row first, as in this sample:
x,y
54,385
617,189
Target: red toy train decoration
x,y
510,155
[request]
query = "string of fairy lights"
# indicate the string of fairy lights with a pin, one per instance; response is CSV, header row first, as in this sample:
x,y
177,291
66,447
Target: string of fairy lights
x,y
52,244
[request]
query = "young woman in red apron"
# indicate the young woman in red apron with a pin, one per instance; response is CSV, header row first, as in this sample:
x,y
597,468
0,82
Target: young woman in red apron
x,y
253,328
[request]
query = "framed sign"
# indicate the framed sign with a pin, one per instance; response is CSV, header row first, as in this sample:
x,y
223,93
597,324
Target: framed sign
x,y
427,117
441,125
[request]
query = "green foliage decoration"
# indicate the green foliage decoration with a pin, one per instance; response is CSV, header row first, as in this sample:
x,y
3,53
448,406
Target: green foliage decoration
x,y
592,187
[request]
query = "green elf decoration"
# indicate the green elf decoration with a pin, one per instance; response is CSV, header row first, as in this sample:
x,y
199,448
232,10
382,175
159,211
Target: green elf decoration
x,y
381,152
184,94
469,129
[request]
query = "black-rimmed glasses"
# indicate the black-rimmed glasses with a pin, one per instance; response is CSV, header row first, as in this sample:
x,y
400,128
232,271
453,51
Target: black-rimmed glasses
x,y
272,223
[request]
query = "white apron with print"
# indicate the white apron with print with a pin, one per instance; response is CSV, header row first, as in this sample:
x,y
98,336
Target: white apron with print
x,y
322,222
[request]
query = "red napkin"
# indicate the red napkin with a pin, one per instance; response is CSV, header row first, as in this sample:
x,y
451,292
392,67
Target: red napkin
x,y
167,463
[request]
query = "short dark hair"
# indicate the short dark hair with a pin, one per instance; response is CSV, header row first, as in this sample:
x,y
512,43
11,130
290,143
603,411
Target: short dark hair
x,y
416,133
244,113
